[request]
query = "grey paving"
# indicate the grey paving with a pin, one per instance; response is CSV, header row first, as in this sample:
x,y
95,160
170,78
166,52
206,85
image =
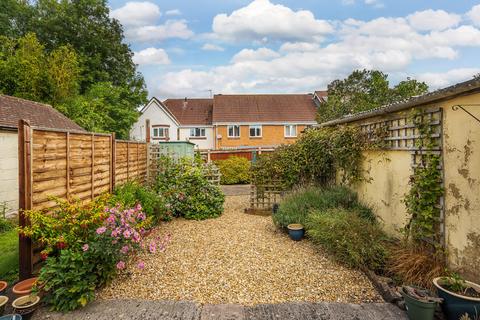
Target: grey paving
x,y
160,310
236,189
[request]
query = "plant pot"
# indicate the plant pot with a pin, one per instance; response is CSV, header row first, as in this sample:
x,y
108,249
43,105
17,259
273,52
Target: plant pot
x,y
3,286
417,309
11,317
24,287
296,231
26,305
3,304
456,305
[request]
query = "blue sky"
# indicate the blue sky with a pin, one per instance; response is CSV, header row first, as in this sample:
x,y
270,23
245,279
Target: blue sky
x,y
186,48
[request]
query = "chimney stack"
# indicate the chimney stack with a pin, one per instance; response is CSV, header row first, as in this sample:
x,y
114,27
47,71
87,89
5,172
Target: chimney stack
x,y
185,103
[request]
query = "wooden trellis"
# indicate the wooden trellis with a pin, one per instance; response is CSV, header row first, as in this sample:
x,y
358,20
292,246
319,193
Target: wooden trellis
x,y
264,196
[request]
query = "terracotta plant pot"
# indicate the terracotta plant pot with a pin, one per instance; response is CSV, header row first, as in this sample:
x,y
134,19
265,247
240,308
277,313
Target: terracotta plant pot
x,y
456,305
3,286
26,305
3,304
296,231
24,287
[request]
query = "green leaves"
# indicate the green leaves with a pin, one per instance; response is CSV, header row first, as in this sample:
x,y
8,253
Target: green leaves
x,y
234,170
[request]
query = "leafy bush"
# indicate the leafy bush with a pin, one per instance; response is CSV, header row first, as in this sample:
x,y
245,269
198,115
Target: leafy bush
x,y
296,206
186,190
5,224
234,170
349,238
132,193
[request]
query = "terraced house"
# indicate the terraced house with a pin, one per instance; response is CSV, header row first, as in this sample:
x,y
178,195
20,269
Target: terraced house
x,y
229,121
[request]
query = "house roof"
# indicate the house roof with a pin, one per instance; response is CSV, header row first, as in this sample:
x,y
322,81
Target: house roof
x,y
321,94
13,109
264,108
459,89
196,112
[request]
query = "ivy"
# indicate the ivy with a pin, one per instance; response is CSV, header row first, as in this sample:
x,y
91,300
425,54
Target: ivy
x,y
423,199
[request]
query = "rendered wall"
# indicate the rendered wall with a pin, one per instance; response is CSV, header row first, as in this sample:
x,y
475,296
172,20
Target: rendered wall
x,y
9,170
200,143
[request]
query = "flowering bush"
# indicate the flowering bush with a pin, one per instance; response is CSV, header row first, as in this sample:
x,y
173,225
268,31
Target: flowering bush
x,y
186,190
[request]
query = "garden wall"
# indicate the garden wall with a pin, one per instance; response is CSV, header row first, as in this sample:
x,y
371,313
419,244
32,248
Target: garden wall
x,y
388,172
70,165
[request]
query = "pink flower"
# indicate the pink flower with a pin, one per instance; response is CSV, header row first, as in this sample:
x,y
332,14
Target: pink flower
x,y
152,247
121,265
101,230
141,265
136,237
127,234
85,247
124,249
111,218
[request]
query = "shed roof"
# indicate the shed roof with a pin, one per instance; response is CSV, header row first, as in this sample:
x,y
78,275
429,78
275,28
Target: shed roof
x,y
459,89
264,108
191,111
13,109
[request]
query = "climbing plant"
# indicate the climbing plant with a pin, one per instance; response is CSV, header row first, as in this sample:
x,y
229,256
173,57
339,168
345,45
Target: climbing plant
x,y
426,189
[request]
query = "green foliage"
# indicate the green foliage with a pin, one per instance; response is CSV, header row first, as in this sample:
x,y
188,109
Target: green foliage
x,y
350,239
234,170
5,224
186,190
455,283
365,90
132,193
314,158
423,199
9,255
296,206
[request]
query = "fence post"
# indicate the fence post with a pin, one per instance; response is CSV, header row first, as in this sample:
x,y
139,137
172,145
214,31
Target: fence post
x,y
147,145
113,161
209,159
25,196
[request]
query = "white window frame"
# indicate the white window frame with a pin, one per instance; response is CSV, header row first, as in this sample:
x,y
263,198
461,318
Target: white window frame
x,y
193,132
233,128
287,130
256,127
164,131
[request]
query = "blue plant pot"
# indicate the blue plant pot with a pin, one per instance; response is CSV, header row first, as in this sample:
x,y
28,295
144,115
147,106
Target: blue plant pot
x,y
11,317
455,305
296,231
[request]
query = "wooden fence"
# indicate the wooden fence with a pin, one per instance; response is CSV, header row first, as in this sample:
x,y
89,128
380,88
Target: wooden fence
x,y
67,165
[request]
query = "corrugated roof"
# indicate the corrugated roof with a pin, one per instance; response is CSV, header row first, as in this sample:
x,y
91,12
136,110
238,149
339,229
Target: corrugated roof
x,y
471,86
13,109
194,112
264,108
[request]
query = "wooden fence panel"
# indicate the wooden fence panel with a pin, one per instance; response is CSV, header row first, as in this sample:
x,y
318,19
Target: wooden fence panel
x,y
70,165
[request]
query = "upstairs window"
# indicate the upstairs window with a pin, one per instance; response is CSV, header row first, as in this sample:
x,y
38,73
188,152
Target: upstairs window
x,y
160,133
197,132
234,131
290,131
256,131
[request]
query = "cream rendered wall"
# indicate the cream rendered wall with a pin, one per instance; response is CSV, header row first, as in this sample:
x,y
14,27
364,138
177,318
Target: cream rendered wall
x,y
157,116
387,174
9,170
200,143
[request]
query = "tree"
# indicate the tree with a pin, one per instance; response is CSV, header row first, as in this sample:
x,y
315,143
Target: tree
x,y
364,90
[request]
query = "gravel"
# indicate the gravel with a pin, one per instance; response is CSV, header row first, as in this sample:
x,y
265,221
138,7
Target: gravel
x,y
241,259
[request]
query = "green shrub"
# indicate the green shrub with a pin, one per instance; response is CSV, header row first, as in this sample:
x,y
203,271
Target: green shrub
x,y
131,193
351,239
5,223
296,206
186,190
234,170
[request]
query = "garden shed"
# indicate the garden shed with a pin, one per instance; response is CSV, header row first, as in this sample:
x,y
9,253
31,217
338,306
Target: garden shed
x,y
453,116
13,109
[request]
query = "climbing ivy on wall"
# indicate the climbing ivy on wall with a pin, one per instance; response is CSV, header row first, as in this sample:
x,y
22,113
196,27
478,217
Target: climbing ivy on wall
x,y
423,199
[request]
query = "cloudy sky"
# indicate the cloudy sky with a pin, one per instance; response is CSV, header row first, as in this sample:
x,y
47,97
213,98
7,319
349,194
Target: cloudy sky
x,y
188,47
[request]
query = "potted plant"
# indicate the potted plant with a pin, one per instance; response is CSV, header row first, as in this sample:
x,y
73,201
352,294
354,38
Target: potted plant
x,y
3,286
26,305
24,287
459,296
3,304
11,317
419,302
296,231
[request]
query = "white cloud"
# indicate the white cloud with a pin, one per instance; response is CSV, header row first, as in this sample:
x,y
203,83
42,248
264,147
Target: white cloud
x,y
137,13
433,20
171,29
212,47
299,46
174,12
443,79
474,15
262,20
255,55
151,56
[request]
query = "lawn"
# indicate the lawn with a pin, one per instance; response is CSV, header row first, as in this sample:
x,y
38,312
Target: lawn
x,y
9,255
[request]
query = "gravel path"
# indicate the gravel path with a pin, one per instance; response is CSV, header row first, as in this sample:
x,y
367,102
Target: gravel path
x,y
239,259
